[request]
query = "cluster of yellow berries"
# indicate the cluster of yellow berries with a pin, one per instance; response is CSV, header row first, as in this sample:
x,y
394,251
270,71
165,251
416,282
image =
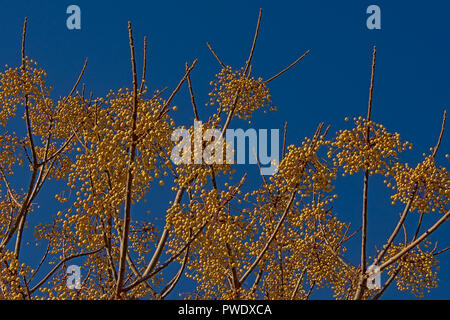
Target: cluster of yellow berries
x,y
199,157
302,166
8,155
432,185
10,89
353,151
418,270
11,273
232,87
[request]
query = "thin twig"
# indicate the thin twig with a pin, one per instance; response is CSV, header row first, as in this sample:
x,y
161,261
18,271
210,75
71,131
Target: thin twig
x,y
60,264
297,285
397,228
436,148
174,92
78,80
216,56
415,242
249,60
441,251
191,92
40,263
144,66
172,283
288,67
283,152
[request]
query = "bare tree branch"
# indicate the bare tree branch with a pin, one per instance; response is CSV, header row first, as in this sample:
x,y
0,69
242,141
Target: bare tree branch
x,y
287,68
416,242
361,285
129,185
60,264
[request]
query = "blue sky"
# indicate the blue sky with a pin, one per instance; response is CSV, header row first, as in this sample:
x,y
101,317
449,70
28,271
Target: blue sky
x,y
411,83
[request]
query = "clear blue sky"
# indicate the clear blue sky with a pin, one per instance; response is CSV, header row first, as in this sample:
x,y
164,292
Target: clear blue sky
x,y
411,88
